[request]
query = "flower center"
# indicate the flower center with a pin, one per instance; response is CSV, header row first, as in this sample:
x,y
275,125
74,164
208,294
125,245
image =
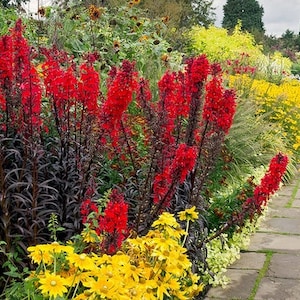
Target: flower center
x,y
104,289
82,256
53,283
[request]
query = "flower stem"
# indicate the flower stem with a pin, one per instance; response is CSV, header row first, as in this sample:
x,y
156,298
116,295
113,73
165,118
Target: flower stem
x,y
186,232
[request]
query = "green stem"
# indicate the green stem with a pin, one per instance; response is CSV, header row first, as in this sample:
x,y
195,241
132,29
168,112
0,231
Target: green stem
x,y
186,232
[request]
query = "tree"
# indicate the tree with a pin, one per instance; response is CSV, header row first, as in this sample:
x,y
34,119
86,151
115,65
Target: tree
x,y
12,3
249,12
182,13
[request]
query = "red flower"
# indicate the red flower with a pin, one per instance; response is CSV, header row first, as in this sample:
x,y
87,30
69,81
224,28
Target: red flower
x,y
219,106
19,83
113,225
268,186
31,94
61,87
122,83
197,71
87,208
89,88
270,182
176,172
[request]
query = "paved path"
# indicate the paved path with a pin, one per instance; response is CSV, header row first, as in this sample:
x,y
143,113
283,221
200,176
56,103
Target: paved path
x,y
270,268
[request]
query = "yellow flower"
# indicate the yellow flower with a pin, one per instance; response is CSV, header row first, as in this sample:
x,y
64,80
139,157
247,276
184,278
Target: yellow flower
x,y
165,219
189,214
81,261
53,285
90,236
103,287
45,253
143,38
82,296
40,253
133,2
162,289
57,248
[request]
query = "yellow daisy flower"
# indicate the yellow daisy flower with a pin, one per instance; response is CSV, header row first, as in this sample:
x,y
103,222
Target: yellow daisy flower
x,y
90,236
81,261
103,287
40,253
82,296
189,214
53,285
165,219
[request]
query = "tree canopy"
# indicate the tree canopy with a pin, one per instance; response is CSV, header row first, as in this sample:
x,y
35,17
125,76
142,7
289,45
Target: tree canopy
x,y
12,3
249,12
182,13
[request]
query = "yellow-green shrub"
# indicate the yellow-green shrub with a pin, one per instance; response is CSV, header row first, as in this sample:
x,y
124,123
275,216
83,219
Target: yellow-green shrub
x,y
221,46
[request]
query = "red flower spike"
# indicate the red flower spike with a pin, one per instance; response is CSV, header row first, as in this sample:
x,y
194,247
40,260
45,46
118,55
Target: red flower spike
x,y
182,164
197,71
219,106
113,225
122,83
19,84
268,186
87,207
62,88
89,89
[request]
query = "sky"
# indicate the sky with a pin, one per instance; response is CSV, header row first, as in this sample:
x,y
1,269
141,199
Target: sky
x,y
279,15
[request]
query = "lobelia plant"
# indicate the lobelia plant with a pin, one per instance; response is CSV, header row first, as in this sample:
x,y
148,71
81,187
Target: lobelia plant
x,y
63,140
254,197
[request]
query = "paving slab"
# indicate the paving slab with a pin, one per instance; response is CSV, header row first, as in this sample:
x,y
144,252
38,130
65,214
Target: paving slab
x,y
240,286
276,242
283,225
284,266
296,203
283,212
249,261
286,190
279,201
278,289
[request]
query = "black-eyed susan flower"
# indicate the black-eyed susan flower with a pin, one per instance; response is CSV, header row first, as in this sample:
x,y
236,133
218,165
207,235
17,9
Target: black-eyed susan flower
x,y
81,261
42,11
82,296
165,19
165,57
143,38
165,219
53,285
189,214
103,287
41,254
90,235
95,12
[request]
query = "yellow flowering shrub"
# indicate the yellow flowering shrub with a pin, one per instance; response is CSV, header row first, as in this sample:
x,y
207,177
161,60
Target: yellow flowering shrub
x,y
238,47
280,102
220,46
154,266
